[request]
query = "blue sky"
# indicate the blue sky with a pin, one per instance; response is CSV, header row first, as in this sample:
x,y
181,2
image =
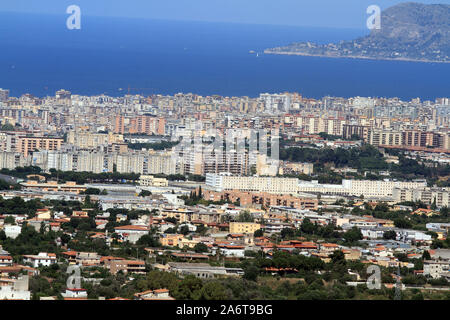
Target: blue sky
x,y
318,13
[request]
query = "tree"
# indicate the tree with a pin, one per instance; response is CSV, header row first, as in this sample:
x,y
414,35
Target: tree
x,y
213,291
200,194
402,223
433,205
200,247
188,289
245,216
87,200
390,235
251,273
65,238
92,191
307,226
171,220
426,255
337,257
352,235
201,229
258,233
9,220
184,229
171,231
145,193
287,233
7,127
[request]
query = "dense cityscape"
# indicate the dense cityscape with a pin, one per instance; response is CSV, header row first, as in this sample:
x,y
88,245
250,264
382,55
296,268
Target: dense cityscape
x,y
190,197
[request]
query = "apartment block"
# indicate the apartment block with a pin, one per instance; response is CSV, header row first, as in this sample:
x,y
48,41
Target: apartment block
x,y
222,182
244,227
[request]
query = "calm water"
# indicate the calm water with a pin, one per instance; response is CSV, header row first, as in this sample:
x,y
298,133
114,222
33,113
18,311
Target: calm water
x,y
38,55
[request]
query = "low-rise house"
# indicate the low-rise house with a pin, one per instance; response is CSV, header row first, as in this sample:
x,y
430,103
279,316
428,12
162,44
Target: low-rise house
x,y
42,259
189,256
158,294
6,261
306,246
191,227
151,181
71,256
132,233
186,242
413,235
170,240
163,226
202,270
126,266
372,233
44,214
55,226
37,223
329,247
352,254
14,289
231,250
12,231
80,214
17,268
87,258
435,268
275,227
76,293
244,227
425,212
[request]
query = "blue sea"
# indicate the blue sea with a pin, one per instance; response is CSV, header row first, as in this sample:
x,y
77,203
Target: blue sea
x,y
39,55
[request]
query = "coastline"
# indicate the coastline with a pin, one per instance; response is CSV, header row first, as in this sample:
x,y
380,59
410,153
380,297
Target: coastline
x,y
269,51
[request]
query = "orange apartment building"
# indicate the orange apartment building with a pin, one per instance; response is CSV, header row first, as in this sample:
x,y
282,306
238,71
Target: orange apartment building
x,y
262,198
148,125
25,145
119,124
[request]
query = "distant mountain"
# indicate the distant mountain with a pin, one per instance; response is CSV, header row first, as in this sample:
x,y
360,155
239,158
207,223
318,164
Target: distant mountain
x,y
409,31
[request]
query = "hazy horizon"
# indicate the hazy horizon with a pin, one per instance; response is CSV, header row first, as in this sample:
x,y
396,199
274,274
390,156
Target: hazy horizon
x,y
319,13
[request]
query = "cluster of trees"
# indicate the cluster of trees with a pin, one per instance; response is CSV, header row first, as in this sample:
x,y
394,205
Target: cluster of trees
x,y
6,186
30,241
328,232
163,145
196,197
7,127
403,219
79,177
40,286
244,216
312,286
282,259
89,177
17,205
366,157
95,191
180,177
21,172
445,244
